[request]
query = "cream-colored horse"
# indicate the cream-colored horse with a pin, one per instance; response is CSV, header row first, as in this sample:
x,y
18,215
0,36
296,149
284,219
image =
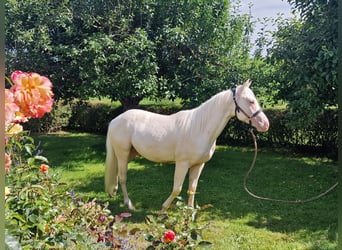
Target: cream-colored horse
x,y
187,138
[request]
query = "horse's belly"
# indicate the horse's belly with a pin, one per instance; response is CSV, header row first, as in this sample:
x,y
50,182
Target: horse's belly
x,y
155,154
154,151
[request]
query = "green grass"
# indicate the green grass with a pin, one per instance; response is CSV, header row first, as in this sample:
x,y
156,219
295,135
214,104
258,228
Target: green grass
x,y
237,221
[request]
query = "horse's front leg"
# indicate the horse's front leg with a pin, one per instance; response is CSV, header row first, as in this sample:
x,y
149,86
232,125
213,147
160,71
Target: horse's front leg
x,y
194,174
180,173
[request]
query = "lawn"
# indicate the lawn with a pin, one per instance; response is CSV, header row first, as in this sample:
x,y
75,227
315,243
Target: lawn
x,y
237,221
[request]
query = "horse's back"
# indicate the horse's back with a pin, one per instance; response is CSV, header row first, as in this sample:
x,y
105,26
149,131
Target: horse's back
x,y
152,135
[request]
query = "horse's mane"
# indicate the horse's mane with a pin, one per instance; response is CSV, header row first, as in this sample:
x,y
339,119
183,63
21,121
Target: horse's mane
x,y
197,118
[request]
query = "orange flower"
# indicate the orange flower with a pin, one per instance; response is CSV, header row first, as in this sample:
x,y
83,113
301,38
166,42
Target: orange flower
x,y
32,93
44,168
10,107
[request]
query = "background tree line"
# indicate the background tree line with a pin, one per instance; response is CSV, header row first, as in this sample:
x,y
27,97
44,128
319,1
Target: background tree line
x,y
187,49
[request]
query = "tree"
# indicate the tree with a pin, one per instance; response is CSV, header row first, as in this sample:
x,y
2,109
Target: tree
x,y
36,38
306,51
129,51
124,70
201,46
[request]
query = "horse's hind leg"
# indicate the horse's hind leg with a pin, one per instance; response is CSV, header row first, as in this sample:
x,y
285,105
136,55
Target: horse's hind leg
x,y
194,174
122,174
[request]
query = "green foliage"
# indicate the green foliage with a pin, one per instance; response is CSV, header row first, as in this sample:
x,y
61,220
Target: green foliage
x,y
39,211
183,222
149,48
40,36
56,120
319,138
305,50
124,70
202,47
92,117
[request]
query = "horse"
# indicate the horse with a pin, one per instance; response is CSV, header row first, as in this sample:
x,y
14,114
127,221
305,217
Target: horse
x,y
187,138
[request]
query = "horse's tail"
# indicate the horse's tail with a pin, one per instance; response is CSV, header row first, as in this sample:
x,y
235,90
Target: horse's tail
x,y
111,171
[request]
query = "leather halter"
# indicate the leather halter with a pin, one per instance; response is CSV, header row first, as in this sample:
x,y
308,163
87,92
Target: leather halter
x,y
238,108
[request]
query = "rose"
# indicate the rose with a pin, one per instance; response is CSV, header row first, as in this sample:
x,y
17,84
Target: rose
x,y
14,129
10,108
44,168
32,94
169,236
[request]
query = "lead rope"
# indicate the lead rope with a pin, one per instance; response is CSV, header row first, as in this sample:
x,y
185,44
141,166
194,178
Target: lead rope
x,y
270,199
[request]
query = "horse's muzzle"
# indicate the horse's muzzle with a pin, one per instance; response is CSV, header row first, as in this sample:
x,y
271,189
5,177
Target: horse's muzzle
x,y
261,122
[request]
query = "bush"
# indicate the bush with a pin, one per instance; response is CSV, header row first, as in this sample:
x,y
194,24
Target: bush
x,y
41,212
179,231
92,118
319,137
56,120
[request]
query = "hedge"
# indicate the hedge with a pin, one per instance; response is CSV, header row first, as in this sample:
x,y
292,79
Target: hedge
x,y
318,138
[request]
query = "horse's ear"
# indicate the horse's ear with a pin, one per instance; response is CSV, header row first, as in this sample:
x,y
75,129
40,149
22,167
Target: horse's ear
x,y
247,83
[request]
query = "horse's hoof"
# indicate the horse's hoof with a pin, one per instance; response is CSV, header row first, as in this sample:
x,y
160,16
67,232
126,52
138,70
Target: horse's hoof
x,y
111,195
132,208
130,205
162,212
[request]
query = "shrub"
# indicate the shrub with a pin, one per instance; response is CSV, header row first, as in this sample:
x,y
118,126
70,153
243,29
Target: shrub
x,y
56,120
40,212
92,118
316,138
179,231
319,137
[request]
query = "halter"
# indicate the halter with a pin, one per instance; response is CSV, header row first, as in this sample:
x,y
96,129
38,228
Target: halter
x,y
238,109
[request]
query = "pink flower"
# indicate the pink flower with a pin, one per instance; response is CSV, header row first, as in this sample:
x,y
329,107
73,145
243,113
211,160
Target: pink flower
x,y
119,217
8,162
169,236
32,93
102,218
10,108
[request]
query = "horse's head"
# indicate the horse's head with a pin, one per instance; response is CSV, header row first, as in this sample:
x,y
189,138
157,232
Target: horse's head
x,y
247,108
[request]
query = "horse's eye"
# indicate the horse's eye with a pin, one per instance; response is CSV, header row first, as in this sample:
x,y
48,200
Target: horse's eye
x,y
251,101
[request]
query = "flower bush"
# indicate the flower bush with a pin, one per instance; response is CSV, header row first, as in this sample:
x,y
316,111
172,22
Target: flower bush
x,y
40,212
178,230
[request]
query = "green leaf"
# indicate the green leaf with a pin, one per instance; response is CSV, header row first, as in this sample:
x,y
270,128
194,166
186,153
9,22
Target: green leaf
x,y
41,158
205,244
149,219
33,218
133,231
149,237
18,217
28,149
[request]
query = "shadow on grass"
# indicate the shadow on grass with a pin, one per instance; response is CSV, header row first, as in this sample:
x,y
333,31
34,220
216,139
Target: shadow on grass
x,y
68,150
221,184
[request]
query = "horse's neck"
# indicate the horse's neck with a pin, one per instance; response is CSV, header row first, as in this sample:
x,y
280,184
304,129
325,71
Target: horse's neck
x,y
213,115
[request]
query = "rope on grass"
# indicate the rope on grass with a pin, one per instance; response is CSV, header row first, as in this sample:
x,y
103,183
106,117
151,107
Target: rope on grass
x,y
271,199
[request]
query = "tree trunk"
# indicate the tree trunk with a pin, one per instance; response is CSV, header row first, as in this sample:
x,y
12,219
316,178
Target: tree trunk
x,y
130,102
